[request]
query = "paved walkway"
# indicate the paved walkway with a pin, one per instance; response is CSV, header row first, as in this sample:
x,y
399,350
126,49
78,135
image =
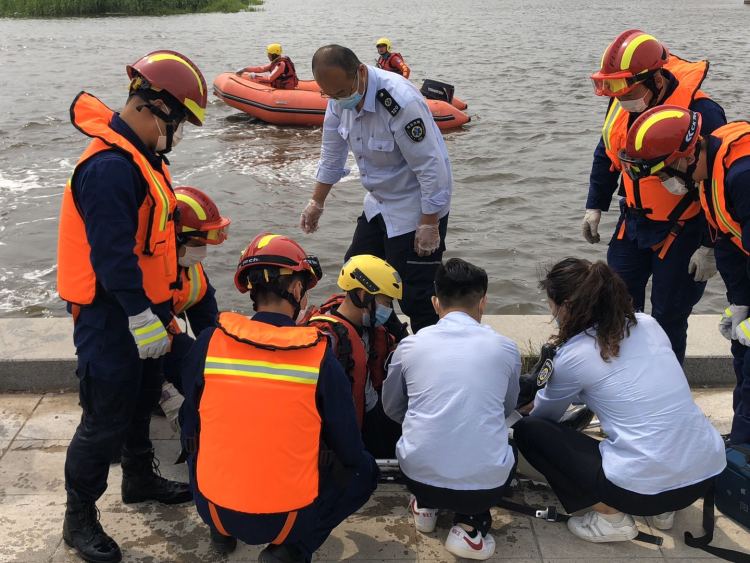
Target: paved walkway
x,y
35,431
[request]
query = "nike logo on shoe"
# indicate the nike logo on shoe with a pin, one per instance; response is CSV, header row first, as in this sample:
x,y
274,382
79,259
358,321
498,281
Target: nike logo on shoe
x,y
472,545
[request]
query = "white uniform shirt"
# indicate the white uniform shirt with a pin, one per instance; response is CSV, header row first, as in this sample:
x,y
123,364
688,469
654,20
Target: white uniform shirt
x,y
404,177
453,384
657,437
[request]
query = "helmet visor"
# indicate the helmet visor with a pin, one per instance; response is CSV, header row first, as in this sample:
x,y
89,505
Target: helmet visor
x,y
613,87
639,168
214,236
314,264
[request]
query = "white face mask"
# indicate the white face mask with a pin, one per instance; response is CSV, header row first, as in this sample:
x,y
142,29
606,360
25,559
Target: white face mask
x,y
177,135
161,142
634,106
675,185
192,255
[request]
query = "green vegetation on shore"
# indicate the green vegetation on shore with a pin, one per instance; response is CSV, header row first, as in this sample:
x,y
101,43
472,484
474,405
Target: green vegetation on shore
x,y
68,8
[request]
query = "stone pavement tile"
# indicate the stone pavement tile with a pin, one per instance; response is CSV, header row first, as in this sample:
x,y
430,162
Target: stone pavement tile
x,y
717,406
14,410
728,534
55,418
33,467
30,527
4,445
37,467
150,533
512,532
584,559
381,530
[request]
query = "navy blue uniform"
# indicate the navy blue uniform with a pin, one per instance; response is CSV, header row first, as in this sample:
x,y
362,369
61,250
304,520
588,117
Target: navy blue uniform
x,y
346,481
117,389
674,292
733,267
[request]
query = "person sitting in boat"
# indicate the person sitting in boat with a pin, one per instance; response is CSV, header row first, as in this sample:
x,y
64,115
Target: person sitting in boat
x,y
391,61
660,453
364,330
282,73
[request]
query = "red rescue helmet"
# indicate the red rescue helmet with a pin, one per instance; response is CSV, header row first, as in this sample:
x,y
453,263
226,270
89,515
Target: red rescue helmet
x,y
631,58
199,217
659,137
270,256
174,73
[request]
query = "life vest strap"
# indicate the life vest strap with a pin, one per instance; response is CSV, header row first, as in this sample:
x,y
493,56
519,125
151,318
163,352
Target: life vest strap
x,y
215,519
291,518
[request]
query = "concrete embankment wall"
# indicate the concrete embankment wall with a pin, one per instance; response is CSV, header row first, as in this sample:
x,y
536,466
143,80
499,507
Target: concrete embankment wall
x,y
38,354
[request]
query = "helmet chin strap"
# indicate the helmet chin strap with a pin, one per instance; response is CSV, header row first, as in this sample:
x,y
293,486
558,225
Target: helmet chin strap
x,y
687,175
368,303
650,83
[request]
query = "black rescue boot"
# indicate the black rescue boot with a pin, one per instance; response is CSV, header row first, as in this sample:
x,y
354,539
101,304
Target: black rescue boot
x,y
281,554
223,544
83,532
141,481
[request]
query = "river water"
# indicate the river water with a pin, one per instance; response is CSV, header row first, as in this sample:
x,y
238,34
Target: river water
x,y
521,167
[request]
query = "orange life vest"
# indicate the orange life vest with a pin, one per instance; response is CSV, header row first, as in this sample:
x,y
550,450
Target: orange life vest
x,y
651,198
155,244
390,61
735,144
350,350
288,79
191,289
259,423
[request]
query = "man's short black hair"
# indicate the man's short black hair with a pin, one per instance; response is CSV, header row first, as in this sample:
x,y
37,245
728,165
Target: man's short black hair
x,y
336,56
460,284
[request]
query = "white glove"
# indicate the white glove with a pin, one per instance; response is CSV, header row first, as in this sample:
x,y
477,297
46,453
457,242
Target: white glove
x,y
149,334
239,71
308,221
702,264
170,403
742,332
733,316
591,225
252,74
427,239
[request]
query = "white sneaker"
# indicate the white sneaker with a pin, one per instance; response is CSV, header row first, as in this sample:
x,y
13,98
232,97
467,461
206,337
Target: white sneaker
x,y
425,519
663,521
595,528
461,544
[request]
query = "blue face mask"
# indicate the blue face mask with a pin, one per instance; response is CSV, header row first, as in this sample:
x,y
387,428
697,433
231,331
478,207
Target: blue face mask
x,y
350,102
382,314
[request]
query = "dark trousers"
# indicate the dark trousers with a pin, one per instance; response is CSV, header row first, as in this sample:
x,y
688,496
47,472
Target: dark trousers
x,y
470,507
740,433
674,292
417,272
342,492
379,433
117,392
572,464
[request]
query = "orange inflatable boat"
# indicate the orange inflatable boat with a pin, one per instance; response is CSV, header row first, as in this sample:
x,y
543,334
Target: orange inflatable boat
x,y
305,105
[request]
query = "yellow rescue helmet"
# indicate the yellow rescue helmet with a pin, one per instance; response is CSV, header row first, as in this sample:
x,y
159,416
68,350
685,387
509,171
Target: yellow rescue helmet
x,y
384,41
274,49
373,274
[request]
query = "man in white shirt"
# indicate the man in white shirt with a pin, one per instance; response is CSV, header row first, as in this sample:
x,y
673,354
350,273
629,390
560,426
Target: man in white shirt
x,y
404,166
451,386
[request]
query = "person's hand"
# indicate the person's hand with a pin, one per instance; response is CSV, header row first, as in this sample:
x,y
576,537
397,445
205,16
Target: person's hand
x,y
149,334
591,225
733,316
239,72
702,264
252,74
310,216
427,239
742,332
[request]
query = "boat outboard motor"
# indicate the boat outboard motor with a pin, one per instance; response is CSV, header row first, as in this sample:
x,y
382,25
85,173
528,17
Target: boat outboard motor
x,y
435,90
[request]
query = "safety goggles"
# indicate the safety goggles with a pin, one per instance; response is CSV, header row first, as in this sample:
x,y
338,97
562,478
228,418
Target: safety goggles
x,y
639,168
214,236
315,267
615,87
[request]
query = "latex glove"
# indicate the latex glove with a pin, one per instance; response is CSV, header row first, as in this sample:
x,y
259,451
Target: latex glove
x,y
591,225
308,221
252,74
427,239
702,264
742,332
733,316
240,71
149,334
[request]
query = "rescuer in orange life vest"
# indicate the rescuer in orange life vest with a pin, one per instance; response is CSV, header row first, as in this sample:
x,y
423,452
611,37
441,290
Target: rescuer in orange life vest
x,y
274,451
282,73
117,266
390,61
660,233
198,224
364,330
665,142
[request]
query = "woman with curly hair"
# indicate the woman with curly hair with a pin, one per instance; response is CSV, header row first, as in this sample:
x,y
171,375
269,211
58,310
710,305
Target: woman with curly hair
x,y
660,451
